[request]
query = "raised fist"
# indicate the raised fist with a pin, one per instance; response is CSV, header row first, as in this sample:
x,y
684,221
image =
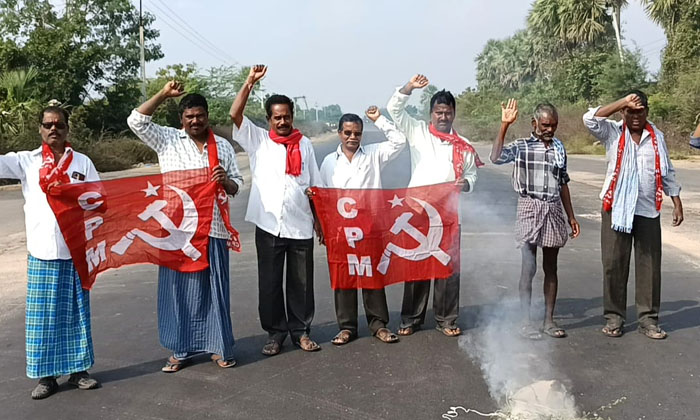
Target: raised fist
x,y
257,72
173,89
373,113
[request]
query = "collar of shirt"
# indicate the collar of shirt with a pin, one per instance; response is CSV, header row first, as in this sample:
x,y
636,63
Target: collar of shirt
x,y
339,151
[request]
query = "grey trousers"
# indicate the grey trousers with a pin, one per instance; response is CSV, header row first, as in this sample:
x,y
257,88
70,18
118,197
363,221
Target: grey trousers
x,y
616,249
375,305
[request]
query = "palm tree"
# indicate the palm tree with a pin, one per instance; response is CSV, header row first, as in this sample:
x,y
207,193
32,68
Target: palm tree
x,y
571,22
17,84
664,12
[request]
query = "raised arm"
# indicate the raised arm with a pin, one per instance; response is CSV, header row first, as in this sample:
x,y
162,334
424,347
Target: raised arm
x,y
153,135
397,105
388,150
596,118
630,101
10,166
256,73
172,89
509,114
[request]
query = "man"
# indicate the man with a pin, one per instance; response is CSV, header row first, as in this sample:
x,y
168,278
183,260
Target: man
x,y
438,154
283,166
639,172
695,138
542,183
193,308
59,338
358,166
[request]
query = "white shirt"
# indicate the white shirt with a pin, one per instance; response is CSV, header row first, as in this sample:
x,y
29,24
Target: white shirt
x,y
364,170
431,158
177,151
278,203
44,238
608,132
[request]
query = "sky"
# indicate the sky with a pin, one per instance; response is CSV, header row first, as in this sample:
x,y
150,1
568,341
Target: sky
x,y
353,52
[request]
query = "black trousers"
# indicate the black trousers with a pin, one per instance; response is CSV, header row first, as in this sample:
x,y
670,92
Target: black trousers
x,y
616,249
376,309
295,317
445,302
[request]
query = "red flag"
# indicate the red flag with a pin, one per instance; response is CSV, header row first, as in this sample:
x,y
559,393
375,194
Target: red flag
x,y
162,219
380,237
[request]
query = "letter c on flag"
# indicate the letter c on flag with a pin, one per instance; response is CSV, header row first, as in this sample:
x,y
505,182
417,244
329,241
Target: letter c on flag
x,y
86,197
342,208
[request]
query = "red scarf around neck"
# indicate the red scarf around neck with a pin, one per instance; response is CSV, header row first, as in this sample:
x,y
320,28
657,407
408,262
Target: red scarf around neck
x,y
609,194
459,146
293,151
51,172
233,242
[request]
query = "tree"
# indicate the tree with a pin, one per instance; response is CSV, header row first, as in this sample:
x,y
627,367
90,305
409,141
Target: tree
x,y
570,23
617,6
508,64
89,47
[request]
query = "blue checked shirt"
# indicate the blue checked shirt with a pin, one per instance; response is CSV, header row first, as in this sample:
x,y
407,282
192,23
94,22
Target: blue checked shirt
x,y
534,173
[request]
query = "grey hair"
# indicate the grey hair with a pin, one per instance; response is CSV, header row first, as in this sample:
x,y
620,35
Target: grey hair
x,y
545,108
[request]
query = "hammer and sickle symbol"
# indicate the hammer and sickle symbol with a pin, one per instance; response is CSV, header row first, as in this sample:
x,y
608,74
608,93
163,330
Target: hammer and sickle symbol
x,y
429,245
180,236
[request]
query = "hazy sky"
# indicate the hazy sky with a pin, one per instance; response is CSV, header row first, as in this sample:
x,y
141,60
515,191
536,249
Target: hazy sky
x,y
353,52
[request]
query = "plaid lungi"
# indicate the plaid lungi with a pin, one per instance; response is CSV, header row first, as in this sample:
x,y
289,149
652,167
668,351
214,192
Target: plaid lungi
x,y
194,309
541,223
58,336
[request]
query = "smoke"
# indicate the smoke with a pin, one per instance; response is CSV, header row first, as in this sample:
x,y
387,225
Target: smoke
x,y
518,371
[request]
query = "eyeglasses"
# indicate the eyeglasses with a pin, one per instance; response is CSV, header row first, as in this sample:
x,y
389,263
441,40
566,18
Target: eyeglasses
x,y
350,133
59,125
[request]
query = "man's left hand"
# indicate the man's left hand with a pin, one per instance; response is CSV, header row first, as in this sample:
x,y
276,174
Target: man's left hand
x,y
463,184
575,228
677,215
219,174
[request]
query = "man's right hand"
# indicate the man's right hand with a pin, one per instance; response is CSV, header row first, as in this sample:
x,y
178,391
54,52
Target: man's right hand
x,y
256,73
173,89
633,101
509,112
373,113
418,81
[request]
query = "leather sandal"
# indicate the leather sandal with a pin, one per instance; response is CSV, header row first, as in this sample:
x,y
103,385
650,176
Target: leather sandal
x,y
343,337
173,365
307,344
386,336
224,364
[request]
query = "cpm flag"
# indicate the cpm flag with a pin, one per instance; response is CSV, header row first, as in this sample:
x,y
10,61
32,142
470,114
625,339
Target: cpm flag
x,y
380,237
162,219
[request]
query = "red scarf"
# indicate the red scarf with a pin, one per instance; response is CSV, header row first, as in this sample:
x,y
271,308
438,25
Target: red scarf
x,y
459,146
50,172
609,194
293,150
233,242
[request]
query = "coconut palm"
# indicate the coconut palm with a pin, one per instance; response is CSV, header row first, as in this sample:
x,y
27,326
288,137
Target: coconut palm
x,y
17,84
570,22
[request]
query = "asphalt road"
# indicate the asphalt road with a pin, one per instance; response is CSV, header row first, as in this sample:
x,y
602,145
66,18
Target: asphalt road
x,y
419,378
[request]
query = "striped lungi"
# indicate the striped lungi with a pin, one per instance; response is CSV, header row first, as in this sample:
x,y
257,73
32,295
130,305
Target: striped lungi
x,y
58,335
194,309
541,223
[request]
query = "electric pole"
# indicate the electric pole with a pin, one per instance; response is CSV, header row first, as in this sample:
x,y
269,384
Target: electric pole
x,y
143,54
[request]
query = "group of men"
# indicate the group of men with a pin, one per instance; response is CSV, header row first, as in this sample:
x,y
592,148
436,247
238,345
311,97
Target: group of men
x,y
194,308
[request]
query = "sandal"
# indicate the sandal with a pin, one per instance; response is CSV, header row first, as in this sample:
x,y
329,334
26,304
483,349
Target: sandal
x,y
386,336
612,330
271,348
307,344
406,330
553,330
528,332
343,337
450,330
173,365
224,364
652,331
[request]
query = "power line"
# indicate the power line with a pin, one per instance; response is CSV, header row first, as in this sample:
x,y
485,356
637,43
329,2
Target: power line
x,y
175,18
201,47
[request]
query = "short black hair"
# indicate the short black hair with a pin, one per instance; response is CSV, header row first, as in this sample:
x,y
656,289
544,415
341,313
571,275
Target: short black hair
x,y
54,110
192,100
278,100
545,108
351,118
642,97
443,97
